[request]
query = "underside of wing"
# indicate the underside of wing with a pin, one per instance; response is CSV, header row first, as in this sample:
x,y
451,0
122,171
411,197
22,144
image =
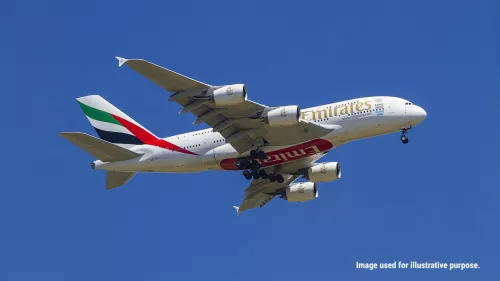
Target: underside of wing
x,y
260,192
239,125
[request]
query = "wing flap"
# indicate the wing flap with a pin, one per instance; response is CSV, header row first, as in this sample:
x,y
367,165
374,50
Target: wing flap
x,y
260,200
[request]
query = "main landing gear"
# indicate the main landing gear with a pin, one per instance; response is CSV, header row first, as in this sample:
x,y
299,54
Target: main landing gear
x,y
404,138
258,154
252,167
261,174
245,163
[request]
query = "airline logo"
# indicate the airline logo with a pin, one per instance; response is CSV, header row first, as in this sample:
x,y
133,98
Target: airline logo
x,y
338,110
283,112
286,154
323,169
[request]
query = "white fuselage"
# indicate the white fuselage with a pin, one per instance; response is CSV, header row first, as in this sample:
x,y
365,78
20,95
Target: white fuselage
x,y
354,119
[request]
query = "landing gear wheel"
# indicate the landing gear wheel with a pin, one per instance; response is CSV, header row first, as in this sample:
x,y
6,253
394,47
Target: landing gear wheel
x,y
404,131
261,155
263,174
246,163
255,165
255,174
280,178
271,177
254,154
247,175
242,163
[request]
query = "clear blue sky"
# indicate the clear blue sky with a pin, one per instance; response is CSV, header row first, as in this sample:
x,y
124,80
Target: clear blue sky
x,y
435,199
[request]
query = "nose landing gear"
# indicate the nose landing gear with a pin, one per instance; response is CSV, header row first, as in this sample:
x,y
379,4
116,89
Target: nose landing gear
x,y
404,131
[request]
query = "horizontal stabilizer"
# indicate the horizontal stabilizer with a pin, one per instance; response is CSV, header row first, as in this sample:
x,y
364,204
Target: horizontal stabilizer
x,y
165,78
116,179
100,149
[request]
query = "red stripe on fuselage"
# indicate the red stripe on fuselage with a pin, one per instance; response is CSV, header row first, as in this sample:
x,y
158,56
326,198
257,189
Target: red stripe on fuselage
x,y
284,155
148,138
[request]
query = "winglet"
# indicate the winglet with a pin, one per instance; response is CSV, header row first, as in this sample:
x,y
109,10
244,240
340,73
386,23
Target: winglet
x,y
121,61
237,210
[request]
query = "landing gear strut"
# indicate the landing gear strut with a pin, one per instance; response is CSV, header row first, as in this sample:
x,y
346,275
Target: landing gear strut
x,y
404,138
263,174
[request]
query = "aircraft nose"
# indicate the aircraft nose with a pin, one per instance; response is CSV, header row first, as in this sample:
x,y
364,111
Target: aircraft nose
x,y
421,113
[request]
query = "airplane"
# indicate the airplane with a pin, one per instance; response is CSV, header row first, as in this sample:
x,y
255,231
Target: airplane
x,y
274,146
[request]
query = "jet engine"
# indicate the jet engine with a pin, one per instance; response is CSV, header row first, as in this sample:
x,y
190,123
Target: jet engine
x,y
301,192
324,172
230,95
283,116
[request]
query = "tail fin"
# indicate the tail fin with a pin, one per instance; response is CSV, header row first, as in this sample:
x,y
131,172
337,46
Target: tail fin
x,y
113,125
116,127
100,149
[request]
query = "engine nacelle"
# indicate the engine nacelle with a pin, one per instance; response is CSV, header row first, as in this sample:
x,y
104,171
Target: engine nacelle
x,y
230,95
283,116
301,192
324,172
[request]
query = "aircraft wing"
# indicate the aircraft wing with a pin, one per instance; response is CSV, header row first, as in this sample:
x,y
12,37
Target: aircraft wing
x,y
261,191
239,124
165,78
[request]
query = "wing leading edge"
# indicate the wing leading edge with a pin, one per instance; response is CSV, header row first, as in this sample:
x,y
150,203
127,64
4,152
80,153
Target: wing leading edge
x,y
165,78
